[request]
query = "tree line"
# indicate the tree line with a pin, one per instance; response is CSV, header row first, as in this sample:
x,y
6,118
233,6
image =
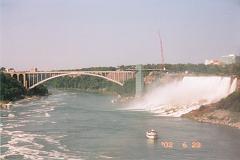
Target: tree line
x,y
230,69
90,83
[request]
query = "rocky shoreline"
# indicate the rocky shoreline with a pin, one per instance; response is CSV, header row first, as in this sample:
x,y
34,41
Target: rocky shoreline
x,y
211,114
225,112
5,104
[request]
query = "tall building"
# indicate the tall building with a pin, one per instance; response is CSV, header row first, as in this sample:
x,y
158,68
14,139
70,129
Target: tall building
x,y
230,59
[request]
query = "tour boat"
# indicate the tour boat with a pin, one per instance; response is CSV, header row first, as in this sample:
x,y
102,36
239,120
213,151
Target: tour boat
x,y
152,134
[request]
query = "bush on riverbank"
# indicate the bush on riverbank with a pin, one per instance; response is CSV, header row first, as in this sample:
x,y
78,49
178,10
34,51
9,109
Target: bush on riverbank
x,y
10,88
232,102
39,90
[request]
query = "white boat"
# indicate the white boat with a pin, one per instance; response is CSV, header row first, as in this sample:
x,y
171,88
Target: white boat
x,y
152,134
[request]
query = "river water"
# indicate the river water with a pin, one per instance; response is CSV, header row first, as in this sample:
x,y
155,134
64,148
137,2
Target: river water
x,y
73,125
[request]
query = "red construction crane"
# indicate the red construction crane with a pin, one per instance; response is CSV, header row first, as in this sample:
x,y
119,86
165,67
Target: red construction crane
x,y
161,50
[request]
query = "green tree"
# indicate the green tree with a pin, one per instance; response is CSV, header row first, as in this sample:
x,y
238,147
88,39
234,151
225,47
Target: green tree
x,y
39,90
10,88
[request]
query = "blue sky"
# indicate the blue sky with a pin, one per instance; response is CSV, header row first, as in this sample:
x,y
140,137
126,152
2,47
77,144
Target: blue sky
x,y
57,34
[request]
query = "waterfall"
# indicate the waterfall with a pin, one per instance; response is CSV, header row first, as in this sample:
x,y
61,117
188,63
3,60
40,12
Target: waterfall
x,y
183,96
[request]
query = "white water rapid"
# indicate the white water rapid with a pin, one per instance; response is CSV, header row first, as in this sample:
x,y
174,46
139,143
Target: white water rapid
x,y
180,97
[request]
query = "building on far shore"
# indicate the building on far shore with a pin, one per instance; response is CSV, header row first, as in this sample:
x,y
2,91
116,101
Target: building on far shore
x,y
212,62
34,69
228,59
10,70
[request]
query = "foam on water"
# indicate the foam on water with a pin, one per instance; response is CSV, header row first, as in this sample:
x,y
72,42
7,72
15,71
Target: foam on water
x,y
29,145
180,97
24,144
47,115
11,115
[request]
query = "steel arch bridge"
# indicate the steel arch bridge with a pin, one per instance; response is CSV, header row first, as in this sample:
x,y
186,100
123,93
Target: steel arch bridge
x,y
33,79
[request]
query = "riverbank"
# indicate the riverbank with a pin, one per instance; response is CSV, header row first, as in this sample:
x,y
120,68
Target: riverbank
x,y
225,112
12,90
5,104
8,104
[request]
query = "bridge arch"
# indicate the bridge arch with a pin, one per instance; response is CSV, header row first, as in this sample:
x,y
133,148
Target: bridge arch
x,y
83,73
21,78
15,76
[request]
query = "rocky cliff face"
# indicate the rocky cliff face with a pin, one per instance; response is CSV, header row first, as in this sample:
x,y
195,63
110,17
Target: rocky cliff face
x,y
224,112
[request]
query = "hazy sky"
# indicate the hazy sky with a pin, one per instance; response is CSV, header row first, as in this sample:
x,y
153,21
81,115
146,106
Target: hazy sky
x,y
57,34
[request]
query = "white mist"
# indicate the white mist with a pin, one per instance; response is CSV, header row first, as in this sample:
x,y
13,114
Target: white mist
x,y
180,97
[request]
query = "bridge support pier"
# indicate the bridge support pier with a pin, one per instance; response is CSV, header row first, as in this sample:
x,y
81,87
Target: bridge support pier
x,y
24,80
139,81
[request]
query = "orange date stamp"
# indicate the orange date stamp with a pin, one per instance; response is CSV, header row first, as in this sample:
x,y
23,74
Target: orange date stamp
x,y
184,145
